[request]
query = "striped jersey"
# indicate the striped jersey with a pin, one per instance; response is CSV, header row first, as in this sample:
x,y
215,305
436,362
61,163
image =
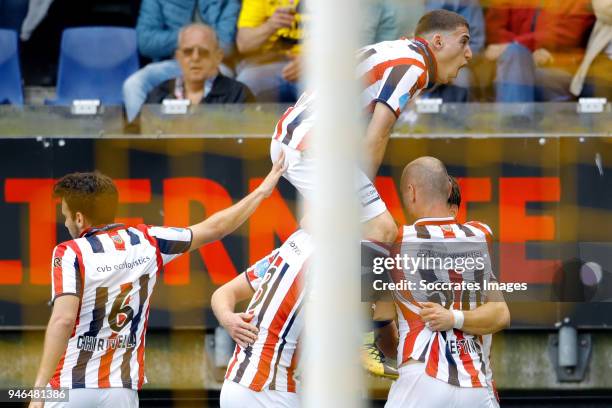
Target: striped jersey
x,y
458,358
270,362
390,72
113,271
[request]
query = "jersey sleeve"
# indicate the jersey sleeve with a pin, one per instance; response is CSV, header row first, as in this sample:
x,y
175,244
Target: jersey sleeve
x,y
172,242
255,273
65,272
400,85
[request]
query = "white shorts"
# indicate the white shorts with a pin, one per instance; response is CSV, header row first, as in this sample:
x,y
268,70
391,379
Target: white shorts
x,y
234,395
98,398
416,389
301,174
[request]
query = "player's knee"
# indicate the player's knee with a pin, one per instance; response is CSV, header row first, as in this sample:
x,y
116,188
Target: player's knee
x,y
515,50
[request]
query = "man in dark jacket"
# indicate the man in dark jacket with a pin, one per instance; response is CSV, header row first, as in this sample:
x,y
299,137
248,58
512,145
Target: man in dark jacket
x,y
199,56
159,22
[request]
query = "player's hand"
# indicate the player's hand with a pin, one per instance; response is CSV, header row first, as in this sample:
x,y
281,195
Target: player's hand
x,y
279,167
239,328
293,70
436,317
36,404
494,51
283,17
542,57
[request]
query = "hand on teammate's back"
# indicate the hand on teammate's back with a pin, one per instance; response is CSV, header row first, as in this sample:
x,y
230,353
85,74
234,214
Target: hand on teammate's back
x,y
283,17
268,184
239,328
436,317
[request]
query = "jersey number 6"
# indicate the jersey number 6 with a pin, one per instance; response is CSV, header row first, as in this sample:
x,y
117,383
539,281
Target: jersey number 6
x,y
121,313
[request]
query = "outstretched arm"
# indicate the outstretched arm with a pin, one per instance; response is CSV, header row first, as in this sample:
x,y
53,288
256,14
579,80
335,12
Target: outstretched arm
x,y
228,220
377,137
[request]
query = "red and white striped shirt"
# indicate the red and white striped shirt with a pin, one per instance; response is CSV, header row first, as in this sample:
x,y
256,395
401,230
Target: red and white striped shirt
x,y
391,72
113,271
455,357
270,362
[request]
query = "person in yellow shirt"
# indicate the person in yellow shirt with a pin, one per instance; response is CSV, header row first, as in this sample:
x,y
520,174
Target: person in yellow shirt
x,y
268,39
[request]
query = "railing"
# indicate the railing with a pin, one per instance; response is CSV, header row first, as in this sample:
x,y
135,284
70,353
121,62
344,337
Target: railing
x,y
258,120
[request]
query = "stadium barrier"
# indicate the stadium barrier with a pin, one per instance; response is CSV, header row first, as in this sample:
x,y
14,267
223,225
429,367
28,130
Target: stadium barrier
x,y
537,174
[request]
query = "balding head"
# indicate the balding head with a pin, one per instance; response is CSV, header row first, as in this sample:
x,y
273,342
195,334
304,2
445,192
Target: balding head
x,y
425,187
204,32
198,54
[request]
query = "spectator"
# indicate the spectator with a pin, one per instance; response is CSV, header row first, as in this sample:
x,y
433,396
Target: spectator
x,y
596,67
160,21
199,56
158,26
535,51
380,23
269,33
459,89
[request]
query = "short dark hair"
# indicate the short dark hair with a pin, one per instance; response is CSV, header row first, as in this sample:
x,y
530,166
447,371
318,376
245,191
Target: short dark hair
x,y
92,194
455,196
439,20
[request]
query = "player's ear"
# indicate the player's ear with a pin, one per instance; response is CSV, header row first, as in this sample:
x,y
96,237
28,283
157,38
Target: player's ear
x,y
411,193
437,40
79,219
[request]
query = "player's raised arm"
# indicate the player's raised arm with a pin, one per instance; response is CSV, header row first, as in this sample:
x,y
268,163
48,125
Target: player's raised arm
x,y
377,137
226,221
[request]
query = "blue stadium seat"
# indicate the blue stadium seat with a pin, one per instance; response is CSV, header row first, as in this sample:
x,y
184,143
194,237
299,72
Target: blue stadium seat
x,y
10,74
94,62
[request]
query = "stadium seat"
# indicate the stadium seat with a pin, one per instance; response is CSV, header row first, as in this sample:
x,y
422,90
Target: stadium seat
x,y
10,74
94,62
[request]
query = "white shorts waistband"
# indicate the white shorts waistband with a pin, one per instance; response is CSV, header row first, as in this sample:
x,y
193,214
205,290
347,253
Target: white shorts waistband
x,y
412,368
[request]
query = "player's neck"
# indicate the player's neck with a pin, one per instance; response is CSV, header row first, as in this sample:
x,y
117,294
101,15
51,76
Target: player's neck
x,y
194,88
433,211
86,228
